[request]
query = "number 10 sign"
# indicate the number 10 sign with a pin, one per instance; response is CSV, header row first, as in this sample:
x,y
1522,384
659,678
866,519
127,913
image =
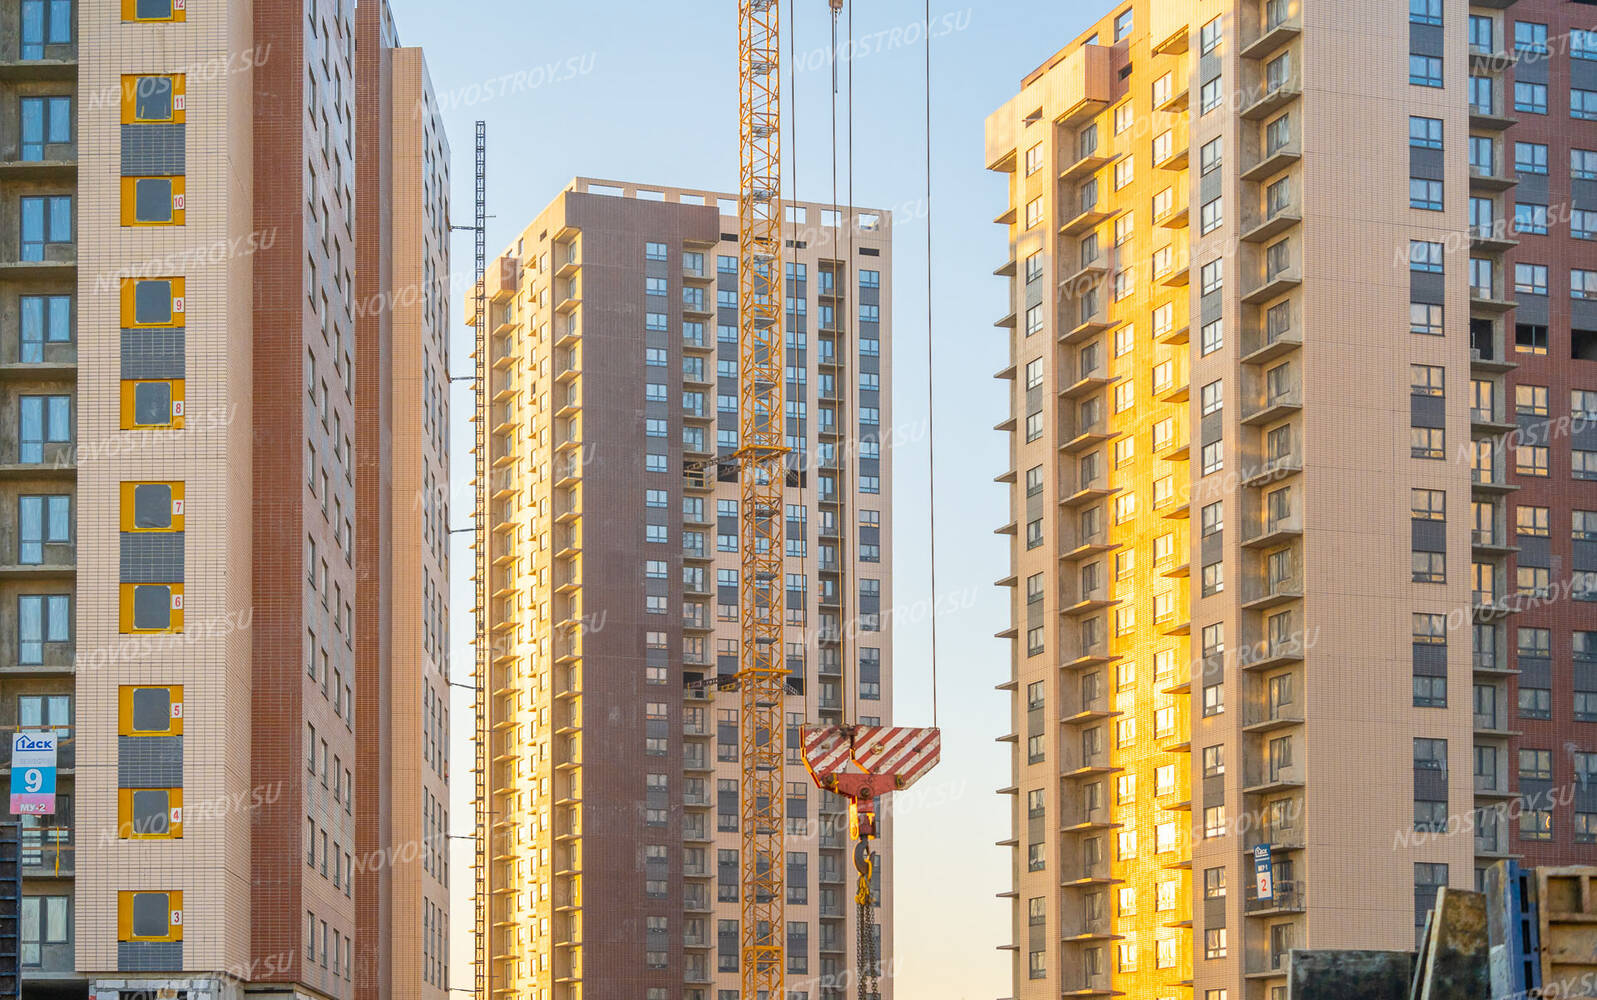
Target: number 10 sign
x,y
33,772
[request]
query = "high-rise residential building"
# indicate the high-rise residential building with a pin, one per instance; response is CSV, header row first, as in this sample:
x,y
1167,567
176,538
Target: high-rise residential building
x,y
611,838
1295,591
225,366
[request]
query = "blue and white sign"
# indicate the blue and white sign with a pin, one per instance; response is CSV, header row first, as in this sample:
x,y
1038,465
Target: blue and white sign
x,y
1263,872
33,772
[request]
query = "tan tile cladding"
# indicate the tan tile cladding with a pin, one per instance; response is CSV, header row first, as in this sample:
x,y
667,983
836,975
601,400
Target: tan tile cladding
x,y
212,863
1347,862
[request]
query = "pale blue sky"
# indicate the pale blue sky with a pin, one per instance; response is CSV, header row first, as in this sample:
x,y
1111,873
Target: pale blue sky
x,y
647,91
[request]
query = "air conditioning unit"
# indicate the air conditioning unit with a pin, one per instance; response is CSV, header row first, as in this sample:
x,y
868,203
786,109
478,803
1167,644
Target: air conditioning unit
x,y
1474,354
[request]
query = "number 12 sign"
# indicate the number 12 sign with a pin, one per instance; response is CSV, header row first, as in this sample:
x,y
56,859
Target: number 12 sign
x,y
33,772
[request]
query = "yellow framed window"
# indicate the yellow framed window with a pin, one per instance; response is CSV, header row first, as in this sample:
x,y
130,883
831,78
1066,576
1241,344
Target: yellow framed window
x,y
152,607
152,404
154,10
152,506
150,813
152,302
149,915
152,201
151,99
150,710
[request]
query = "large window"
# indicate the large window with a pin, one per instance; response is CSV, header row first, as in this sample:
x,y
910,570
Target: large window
x,y
41,618
46,222
44,319
45,121
42,420
41,521
45,921
45,22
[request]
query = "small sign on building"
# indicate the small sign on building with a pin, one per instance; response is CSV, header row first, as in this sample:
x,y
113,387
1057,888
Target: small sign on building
x,y
1263,872
33,772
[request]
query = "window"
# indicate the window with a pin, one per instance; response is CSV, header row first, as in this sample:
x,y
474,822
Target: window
x,y
1033,212
1530,158
1530,279
149,916
1122,24
1425,11
1530,218
1425,318
152,201
1212,276
1425,256
152,10
1424,71
1530,98
1425,133
1428,505
1583,104
1033,159
1211,337
41,521
1425,194
1211,216
46,223
45,121
1582,284
1427,442
1209,36
1582,163
1210,96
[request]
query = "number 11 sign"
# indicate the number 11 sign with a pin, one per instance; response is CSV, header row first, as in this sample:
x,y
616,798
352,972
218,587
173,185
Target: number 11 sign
x,y
33,772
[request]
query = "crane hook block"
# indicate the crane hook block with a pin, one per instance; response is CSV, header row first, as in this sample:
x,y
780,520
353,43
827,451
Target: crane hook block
x,y
863,763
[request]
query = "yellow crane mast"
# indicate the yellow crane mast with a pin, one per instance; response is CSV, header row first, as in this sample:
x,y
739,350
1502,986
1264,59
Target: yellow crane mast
x,y
762,443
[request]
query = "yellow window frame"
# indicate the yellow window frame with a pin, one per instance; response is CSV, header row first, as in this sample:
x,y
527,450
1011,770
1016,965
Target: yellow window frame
x,y
130,89
125,710
130,12
130,187
174,814
174,622
130,318
174,418
128,489
174,915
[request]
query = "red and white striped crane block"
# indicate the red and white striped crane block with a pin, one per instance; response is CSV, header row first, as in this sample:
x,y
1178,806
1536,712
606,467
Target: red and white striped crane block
x,y
863,763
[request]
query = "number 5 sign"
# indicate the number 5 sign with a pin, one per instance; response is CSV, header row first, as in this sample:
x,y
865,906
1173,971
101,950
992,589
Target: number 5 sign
x,y
33,772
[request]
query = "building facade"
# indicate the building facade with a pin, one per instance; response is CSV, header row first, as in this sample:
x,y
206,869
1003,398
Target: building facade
x,y
1292,590
611,840
190,367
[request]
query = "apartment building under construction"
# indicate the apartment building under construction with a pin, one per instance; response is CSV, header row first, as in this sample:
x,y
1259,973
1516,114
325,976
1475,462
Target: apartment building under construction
x,y
611,822
1302,374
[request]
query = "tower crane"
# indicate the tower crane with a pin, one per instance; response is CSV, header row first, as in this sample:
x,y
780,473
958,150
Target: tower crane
x,y
859,763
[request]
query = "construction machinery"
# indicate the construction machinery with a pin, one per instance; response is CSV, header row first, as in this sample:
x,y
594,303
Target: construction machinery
x,y
860,763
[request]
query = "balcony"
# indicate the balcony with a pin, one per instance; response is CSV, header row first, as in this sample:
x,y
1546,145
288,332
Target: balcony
x,y
1257,596
1272,221
1273,95
1491,237
1264,779
1089,435
1277,280
1089,214
1489,116
1281,22
1089,162
1260,716
1288,897
1280,836
1079,763
1272,406
1259,164
1267,531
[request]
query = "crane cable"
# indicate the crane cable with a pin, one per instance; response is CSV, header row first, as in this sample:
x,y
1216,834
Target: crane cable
x,y
931,411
